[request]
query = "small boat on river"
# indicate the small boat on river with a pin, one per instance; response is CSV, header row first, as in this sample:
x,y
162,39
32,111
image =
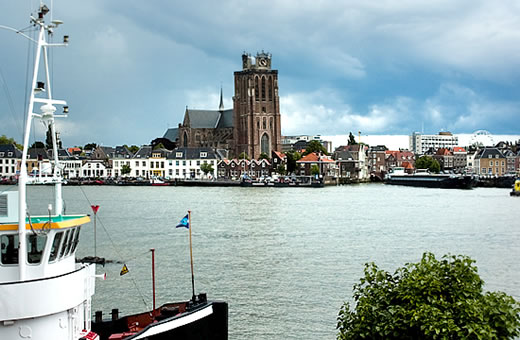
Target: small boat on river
x,y
516,188
424,179
194,319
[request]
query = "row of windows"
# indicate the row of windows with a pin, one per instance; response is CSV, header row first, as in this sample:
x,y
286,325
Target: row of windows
x,y
13,161
157,165
496,163
63,245
89,165
6,169
261,95
485,170
9,154
97,173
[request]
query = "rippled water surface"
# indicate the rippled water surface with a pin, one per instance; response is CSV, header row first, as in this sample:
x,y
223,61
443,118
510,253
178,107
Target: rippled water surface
x,y
285,259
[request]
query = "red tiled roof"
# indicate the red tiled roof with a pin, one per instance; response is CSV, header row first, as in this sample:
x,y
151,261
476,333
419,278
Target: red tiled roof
x,y
279,154
458,149
314,157
407,165
260,161
400,154
443,152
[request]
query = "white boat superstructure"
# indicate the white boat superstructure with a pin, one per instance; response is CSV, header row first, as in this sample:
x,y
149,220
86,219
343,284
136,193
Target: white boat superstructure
x,y
44,294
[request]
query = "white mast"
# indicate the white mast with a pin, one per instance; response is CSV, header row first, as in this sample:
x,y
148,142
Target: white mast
x,y
47,116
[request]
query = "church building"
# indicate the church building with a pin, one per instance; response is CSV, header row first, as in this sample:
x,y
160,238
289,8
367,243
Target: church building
x,y
256,107
252,126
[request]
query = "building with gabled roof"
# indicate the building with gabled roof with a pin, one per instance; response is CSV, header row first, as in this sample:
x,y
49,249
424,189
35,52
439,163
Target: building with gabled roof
x,y
348,166
278,159
185,163
460,159
445,158
10,159
396,158
490,162
510,161
205,128
106,153
326,165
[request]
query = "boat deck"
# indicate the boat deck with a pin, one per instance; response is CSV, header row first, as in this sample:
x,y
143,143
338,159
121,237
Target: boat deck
x,y
56,222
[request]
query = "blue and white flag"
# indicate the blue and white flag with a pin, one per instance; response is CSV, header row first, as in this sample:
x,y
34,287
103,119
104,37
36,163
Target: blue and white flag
x,y
184,223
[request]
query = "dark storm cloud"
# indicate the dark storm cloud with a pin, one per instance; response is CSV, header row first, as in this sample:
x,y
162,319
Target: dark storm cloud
x,y
384,67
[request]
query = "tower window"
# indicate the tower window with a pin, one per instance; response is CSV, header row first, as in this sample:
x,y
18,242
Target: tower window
x,y
256,89
264,123
264,144
263,88
270,85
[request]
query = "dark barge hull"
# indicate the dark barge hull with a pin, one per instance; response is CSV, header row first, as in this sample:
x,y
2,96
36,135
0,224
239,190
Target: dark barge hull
x,y
432,181
207,320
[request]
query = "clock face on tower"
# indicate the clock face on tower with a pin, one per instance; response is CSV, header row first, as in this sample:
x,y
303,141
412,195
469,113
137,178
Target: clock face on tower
x,y
263,62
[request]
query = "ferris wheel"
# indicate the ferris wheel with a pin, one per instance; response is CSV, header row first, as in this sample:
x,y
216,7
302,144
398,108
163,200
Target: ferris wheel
x,y
482,138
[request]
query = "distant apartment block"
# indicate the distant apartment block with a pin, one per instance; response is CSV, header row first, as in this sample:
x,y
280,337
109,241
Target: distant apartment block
x,y
300,141
420,143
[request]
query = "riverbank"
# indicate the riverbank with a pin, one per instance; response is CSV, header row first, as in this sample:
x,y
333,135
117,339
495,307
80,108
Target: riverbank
x,y
485,182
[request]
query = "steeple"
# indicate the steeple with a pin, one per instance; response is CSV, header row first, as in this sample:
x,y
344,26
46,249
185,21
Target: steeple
x,y
221,106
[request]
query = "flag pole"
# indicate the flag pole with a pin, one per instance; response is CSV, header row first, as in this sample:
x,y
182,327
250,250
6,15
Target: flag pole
x,y
191,258
153,280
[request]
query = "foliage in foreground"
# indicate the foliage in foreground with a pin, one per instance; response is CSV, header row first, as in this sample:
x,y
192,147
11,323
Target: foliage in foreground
x,y
432,299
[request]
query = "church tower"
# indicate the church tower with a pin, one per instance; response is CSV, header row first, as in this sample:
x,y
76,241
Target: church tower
x,y
256,107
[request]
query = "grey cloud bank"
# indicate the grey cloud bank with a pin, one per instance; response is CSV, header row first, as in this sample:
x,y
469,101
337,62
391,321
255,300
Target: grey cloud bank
x,y
384,68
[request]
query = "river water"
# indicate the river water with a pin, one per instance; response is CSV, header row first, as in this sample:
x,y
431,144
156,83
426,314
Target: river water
x,y
285,259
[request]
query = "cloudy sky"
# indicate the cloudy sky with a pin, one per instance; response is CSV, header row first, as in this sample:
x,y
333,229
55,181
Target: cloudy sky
x,y
385,67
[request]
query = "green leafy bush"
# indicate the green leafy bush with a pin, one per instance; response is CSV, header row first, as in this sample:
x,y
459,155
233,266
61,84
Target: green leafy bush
x,y
432,299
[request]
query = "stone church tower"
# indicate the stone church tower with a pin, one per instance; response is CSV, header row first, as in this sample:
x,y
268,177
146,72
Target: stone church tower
x,y
256,107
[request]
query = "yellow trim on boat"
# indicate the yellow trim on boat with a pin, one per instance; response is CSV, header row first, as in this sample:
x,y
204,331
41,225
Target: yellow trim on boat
x,y
42,222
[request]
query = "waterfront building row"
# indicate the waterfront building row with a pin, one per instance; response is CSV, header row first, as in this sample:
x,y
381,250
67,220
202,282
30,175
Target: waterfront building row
x,y
357,162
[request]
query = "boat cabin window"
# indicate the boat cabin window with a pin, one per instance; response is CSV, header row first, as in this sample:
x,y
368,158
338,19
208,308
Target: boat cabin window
x,y
9,249
76,240
35,246
70,240
64,244
55,246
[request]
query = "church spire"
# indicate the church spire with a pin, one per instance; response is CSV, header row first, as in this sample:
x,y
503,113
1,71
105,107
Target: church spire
x,y
221,106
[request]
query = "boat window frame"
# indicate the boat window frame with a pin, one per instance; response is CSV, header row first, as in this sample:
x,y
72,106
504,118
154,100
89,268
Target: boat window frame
x,y
56,257
16,243
69,242
37,255
64,244
75,240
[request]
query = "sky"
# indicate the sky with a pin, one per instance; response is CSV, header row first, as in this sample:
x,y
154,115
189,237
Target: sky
x,y
385,67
